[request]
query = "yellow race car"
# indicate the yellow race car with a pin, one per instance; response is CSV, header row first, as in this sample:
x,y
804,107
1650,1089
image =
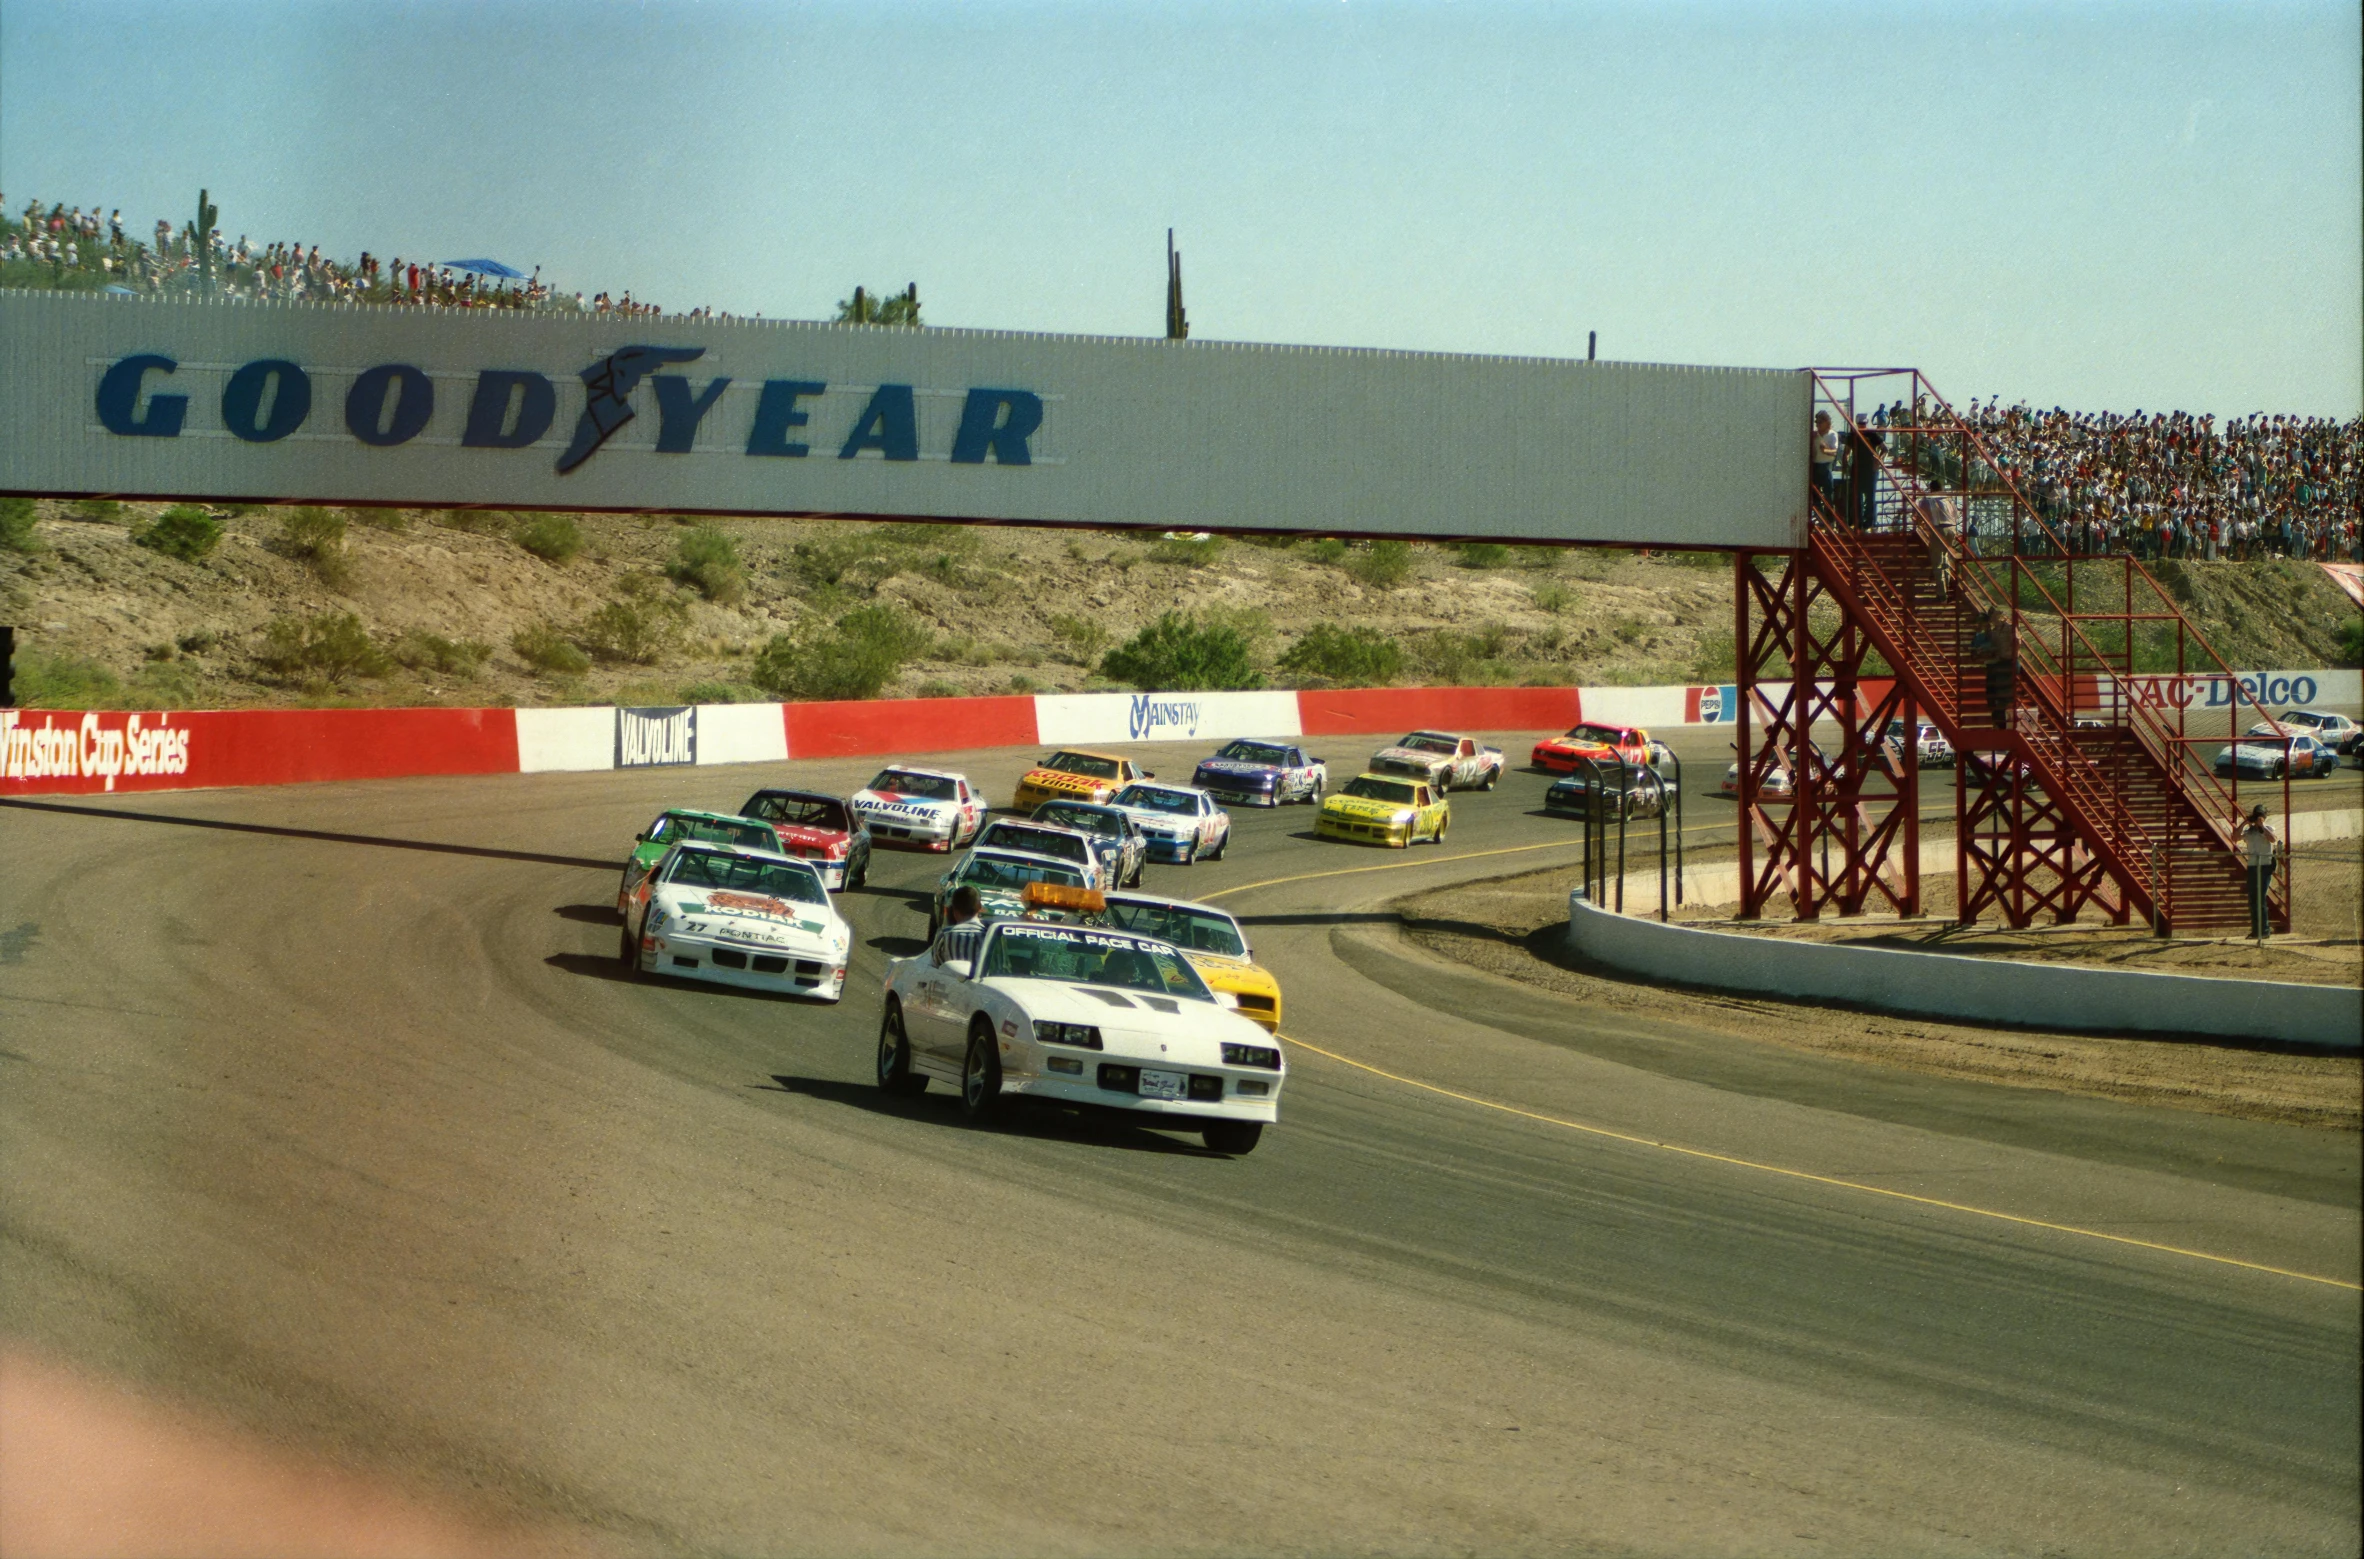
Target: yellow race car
x,y
1071,774
1384,809
1213,942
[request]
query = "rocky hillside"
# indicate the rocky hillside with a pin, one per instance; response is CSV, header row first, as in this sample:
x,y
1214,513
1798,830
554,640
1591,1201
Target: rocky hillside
x,y
222,607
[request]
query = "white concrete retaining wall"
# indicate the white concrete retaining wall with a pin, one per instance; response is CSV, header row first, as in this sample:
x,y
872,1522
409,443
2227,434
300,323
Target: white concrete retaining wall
x,y
1985,990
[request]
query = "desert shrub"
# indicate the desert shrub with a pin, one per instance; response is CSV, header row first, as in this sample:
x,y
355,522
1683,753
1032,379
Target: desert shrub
x,y
64,682
1480,554
637,631
1712,659
16,525
1628,630
1553,596
1714,562
423,651
2349,651
551,537
380,519
935,689
1328,549
1081,639
183,531
198,641
855,657
330,647
1187,550
1179,653
1021,684
158,652
721,693
1382,564
1349,657
105,511
707,560
1465,659
317,536
544,648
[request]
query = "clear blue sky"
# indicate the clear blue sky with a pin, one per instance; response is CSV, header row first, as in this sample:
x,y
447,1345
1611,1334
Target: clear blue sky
x,y
2102,206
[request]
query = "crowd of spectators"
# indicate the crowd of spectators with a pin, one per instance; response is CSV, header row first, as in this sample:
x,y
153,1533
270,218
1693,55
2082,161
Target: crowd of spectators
x,y
76,248
2170,484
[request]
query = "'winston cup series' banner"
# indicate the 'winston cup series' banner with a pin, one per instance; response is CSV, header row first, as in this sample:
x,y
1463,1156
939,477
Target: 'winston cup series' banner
x,y
69,752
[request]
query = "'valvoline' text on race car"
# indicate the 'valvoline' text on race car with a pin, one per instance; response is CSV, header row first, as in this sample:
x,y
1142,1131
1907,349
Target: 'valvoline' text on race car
x,y
922,809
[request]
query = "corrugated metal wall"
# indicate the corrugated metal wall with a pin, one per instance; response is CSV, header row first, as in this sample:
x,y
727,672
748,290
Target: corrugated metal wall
x,y
1177,435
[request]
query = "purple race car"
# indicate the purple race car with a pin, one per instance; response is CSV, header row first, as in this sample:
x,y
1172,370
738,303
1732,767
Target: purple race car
x,y
1262,774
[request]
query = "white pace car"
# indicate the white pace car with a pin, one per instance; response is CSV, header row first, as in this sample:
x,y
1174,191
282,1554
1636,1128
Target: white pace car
x,y
921,809
1077,1015
737,917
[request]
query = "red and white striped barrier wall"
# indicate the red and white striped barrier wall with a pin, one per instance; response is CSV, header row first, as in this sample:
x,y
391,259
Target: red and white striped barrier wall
x,y
66,752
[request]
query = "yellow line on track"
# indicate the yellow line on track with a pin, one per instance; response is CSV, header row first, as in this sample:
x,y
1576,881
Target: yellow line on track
x,y
1808,1175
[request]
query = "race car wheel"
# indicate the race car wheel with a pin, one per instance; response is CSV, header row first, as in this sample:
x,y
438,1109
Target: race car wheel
x,y
1313,797
1140,868
1189,854
1221,845
628,951
1491,776
980,1077
859,877
1233,1137
894,1055
1439,836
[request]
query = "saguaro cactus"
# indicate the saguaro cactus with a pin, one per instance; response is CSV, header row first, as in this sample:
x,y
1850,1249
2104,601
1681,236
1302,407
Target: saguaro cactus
x,y
201,234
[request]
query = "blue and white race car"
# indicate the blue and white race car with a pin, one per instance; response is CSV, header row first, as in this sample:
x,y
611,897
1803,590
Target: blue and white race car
x,y
1180,822
921,809
1262,774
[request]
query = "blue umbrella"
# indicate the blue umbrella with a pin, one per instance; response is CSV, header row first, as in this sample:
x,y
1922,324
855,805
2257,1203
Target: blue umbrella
x,y
485,268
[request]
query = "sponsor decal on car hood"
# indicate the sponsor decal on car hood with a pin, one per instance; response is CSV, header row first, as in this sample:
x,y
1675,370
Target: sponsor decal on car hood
x,y
1058,779
1365,807
1239,768
894,804
796,837
749,912
1410,755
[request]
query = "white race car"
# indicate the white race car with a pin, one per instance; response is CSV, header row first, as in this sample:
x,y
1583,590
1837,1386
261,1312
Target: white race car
x,y
1444,759
1180,822
737,917
1077,1015
921,809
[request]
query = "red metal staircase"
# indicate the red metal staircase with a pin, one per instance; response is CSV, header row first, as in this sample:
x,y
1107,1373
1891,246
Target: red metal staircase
x,y
2097,792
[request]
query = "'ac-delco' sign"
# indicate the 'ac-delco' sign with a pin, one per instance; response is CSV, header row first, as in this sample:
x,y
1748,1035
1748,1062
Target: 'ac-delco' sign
x,y
390,404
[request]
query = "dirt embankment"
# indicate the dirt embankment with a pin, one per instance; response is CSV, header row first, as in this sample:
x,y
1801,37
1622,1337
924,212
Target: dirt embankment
x,y
447,594
1515,927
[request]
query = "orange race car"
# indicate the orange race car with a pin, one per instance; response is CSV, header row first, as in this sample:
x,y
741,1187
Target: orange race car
x,y
1072,774
1601,743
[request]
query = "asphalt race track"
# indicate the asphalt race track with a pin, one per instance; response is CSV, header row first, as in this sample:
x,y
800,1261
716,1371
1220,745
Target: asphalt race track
x,y
328,1109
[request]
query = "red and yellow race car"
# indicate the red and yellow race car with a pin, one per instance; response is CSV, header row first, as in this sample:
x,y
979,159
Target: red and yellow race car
x,y
1590,739
1075,774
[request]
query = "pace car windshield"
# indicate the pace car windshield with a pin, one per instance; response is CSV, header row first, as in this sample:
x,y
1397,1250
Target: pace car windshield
x,y
1371,789
1084,957
1083,764
1001,871
741,874
902,782
1256,752
1200,930
1151,798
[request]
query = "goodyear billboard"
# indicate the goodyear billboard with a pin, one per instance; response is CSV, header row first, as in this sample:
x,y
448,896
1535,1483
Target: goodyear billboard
x,y
240,401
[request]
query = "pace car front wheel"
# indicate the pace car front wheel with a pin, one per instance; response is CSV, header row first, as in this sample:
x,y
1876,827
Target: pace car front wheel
x,y
894,1055
980,1078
